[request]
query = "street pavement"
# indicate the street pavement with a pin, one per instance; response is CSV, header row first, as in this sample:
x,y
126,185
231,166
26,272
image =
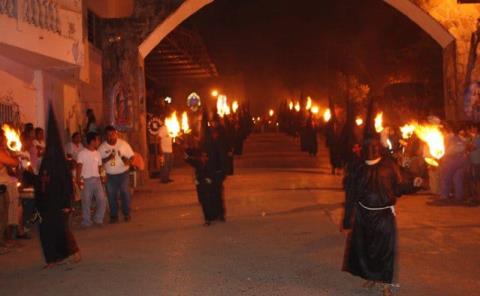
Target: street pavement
x,y
281,238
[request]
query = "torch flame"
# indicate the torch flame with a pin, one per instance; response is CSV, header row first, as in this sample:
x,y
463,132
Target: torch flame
x,y
235,106
359,121
432,135
309,103
315,110
185,126
407,130
379,122
13,138
271,112
327,115
173,126
389,144
222,106
290,105
297,107
431,161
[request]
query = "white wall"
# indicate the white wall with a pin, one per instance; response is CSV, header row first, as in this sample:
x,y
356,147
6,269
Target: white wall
x,y
17,81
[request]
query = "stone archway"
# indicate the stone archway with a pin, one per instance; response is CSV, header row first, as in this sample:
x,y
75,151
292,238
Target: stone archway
x,y
452,91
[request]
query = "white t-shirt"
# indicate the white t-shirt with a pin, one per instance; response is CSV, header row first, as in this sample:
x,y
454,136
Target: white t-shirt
x,y
166,142
122,149
90,161
73,149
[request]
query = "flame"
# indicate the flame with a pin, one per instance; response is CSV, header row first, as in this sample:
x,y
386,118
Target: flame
x,y
359,121
222,106
173,126
185,126
235,106
327,115
389,144
315,110
407,130
13,138
215,93
297,107
271,112
379,122
290,105
431,161
309,103
432,135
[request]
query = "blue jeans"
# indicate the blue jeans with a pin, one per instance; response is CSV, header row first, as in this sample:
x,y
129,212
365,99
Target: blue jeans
x,y
167,166
451,175
119,185
93,187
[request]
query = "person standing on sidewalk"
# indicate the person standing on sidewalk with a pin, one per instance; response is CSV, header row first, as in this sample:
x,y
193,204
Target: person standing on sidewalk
x,y
166,146
89,164
116,157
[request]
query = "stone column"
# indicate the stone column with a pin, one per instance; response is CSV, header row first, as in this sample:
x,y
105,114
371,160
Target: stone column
x,y
124,73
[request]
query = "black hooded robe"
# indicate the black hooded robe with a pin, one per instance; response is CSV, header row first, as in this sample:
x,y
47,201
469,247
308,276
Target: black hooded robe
x,y
53,197
203,184
371,248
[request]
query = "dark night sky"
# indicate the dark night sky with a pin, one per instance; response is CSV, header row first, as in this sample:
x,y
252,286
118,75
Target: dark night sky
x,y
283,47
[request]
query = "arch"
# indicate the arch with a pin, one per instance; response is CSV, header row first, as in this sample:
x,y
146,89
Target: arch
x,y
424,21
406,7
188,8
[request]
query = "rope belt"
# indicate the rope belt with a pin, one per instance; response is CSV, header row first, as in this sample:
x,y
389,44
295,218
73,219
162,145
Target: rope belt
x,y
391,208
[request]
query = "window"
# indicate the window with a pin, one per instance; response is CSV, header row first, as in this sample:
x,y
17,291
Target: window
x,y
9,111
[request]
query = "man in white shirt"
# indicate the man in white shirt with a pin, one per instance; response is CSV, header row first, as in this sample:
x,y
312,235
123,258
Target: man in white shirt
x,y
116,157
74,147
166,147
89,163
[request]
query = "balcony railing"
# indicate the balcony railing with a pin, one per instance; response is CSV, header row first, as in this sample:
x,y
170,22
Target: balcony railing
x,y
42,13
50,28
8,7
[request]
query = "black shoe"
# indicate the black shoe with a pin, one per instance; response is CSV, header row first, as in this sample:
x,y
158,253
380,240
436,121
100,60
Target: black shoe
x,y
113,220
128,218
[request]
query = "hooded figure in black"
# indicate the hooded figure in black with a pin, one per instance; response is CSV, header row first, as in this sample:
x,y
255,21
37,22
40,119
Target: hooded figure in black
x,y
209,161
370,213
311,136
333,136
53,197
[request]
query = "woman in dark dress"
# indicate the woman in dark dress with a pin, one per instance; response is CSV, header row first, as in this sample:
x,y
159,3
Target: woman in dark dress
x,y
53,196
